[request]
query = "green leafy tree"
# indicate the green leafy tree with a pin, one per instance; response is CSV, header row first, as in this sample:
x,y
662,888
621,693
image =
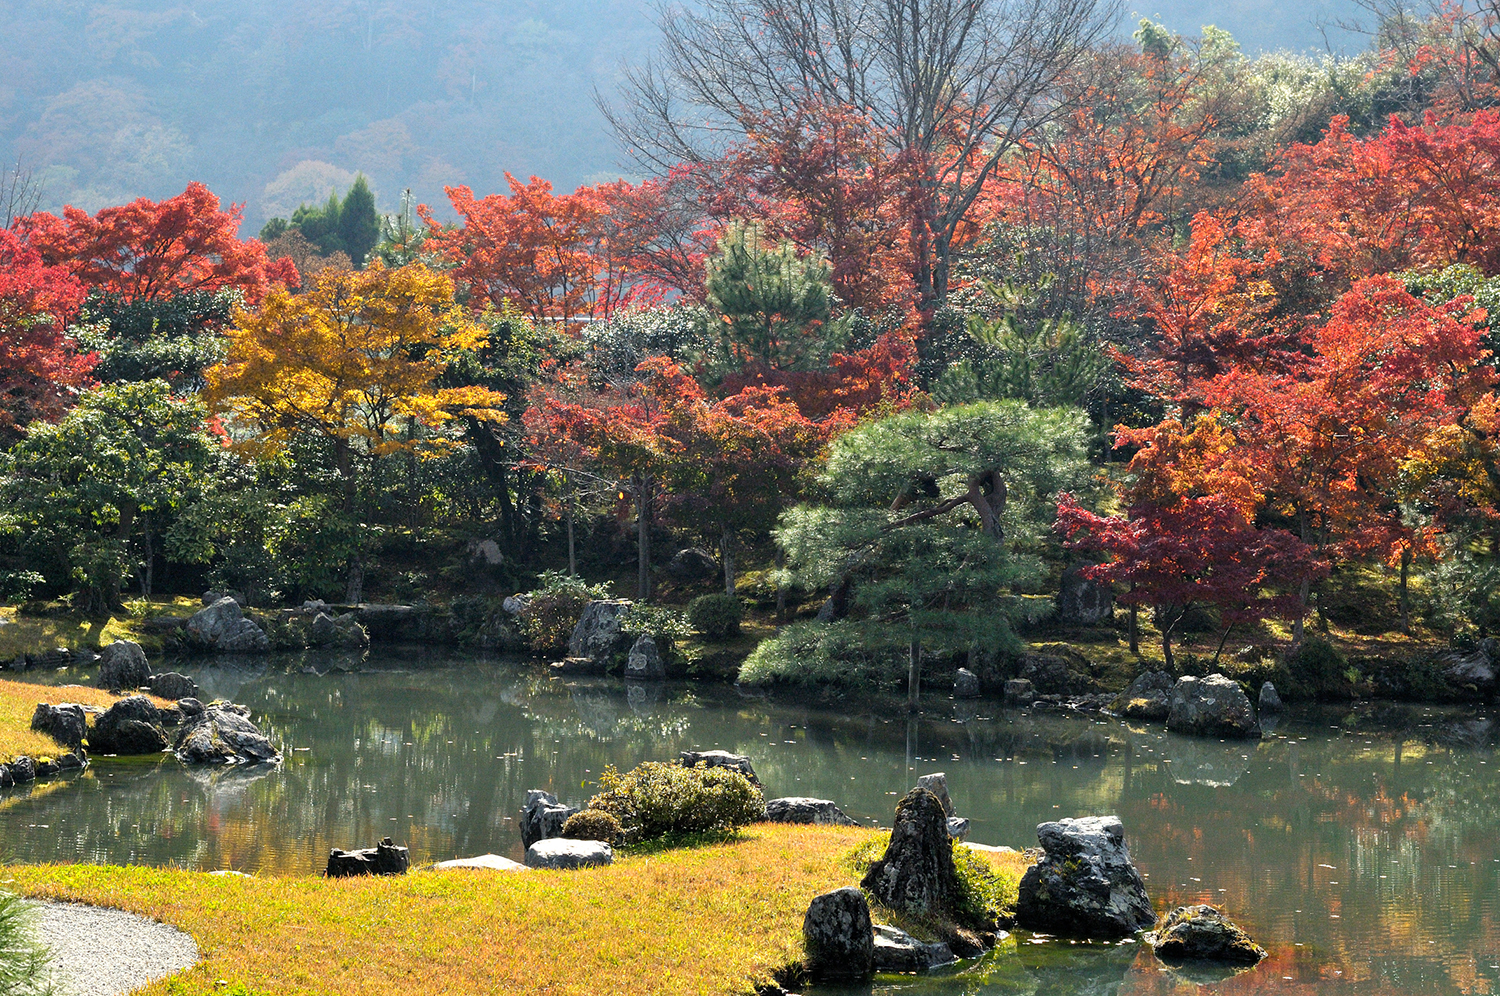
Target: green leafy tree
x,y
97,496
775,305
358,222
926,534
172,338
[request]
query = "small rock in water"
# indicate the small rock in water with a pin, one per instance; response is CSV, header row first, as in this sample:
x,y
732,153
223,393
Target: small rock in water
x,y
23,770
1203,933
721,759
384,858
1085,885
1148,697
171,685
898,951
800,809
222,733
966,684
1211,706
839,936
561,853
1269,701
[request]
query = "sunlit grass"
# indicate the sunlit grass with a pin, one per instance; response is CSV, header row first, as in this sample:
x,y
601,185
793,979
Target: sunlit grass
x,y
18,700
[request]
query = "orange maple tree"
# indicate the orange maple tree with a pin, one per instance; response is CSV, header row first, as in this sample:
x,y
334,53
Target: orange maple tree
x,y
40,370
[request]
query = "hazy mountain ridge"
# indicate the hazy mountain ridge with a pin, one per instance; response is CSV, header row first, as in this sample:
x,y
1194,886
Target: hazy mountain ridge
x,y
272,102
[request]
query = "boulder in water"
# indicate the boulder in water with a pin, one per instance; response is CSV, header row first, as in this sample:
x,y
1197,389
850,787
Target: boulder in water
x,y
721,759
1270,702
130,726
171,685
222,627
384,858
223,733
645,660
966,684
1084,885
898,951
1203,933
122,665
800,809
22,770
1147,697
839,936
64,723
597,636
542,817
916,873
1212,706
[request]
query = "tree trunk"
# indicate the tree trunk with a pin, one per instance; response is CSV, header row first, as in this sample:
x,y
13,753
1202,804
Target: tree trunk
x,y
643,537
914,676
354,588
1222,640
149,559
726,552
1166,650
1304,592
1405,591
780,586
572,548
1135,626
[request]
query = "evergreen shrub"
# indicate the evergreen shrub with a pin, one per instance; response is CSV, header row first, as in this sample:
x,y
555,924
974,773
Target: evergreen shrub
x,y
716,616
593,824
656,800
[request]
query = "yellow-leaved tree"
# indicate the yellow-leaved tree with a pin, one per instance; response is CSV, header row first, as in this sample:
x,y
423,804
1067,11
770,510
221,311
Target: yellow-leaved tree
x,y
354,363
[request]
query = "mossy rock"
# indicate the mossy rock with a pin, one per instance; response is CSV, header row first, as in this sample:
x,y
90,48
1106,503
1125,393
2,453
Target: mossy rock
x,y
1203,933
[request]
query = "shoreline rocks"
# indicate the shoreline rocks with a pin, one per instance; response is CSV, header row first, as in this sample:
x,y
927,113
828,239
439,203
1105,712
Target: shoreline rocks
x,y
1085,885
800,809
1147,697
898,951
542,817
131,726
721,759
839,936
66,722
384,858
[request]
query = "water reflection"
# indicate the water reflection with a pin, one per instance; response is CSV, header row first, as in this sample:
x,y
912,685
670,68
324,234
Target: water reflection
x,y
1358,846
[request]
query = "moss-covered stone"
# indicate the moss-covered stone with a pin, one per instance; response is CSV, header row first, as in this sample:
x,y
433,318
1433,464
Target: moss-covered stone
x,y
1203,933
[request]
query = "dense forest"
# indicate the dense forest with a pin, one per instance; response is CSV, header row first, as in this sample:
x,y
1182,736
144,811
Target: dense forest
x,y
1211,329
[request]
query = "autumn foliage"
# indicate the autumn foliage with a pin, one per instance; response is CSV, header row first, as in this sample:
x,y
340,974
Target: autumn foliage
x,y
39,366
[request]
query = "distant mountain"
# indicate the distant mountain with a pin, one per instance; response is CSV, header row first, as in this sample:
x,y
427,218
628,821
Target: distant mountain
x,y
275,102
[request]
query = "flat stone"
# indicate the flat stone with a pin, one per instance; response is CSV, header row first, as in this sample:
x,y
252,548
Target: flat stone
x,y
801,809
484,862
561,853
839,936
988,848
897,951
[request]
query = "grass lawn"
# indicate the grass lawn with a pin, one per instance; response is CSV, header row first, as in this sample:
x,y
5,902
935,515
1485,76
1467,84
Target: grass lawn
x,y
35,635
18,701
712,919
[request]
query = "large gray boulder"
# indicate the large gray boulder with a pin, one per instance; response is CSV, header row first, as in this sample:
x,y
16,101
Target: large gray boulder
x,y
130,726
171,685
692,565
1213,706
645,660
122,665
1472,672
800,809
1203,933
839,937
222,627
721,759
597,636
966,684
542,817
64,723
1084,885
1147,697
562,853
223,733
898,951
1081,602
916,873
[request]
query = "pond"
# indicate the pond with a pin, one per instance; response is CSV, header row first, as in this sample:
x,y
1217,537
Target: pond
x,y
1361,846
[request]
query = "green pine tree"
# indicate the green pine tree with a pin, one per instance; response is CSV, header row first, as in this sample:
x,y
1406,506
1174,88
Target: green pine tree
x,y
358,223
775,305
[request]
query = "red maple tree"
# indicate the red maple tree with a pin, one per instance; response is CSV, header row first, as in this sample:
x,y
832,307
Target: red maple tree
x,y
40,370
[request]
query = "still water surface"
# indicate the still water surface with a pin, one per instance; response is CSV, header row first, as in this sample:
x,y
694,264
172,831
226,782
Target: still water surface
x,y
1360,846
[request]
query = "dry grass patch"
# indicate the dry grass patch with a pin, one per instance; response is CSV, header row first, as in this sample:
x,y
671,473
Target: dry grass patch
x,y
18,700
703,920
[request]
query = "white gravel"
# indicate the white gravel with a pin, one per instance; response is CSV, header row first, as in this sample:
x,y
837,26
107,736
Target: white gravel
x,y
102,952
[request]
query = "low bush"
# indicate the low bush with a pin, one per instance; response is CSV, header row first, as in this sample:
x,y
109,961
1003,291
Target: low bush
x,y
983,896
656,800
593,824
23,962
554,607
813,653
1316,670
716,616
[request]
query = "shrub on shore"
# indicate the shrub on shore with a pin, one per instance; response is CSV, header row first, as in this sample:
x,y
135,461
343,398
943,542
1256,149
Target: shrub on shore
x,y
656,800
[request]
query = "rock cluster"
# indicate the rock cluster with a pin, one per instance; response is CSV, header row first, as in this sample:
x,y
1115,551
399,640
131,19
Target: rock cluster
x,y
221,733
384,858
1203,933
1084,885
27,769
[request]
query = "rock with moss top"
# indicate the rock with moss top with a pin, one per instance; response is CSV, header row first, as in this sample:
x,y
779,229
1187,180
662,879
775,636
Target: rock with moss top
x,y
123,665
1203,933
130,726
1214,706
916,873
223,734
1148,697
1084,885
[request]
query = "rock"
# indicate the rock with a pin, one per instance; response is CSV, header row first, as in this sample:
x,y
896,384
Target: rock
x,y
958,827
322,632
122,665
130,726
189,707
1149,696
645,660
800,809
1473,671
72,761
1019,691
1048,673
384,858
1203,933
966,684
916,873
171,685
562,853
1269,700
597,635
484,862
721,759
1084,885
937,784
839,936
223,733
214,595
692,565
1211,706
486,552
46,767
514,604
313,606
1081,602
163,624
223,627
898,951
406,623
23,770
542,817
64,723
6,778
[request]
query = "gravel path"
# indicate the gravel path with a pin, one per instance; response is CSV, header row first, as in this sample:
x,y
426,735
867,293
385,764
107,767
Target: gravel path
x,y
101,952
